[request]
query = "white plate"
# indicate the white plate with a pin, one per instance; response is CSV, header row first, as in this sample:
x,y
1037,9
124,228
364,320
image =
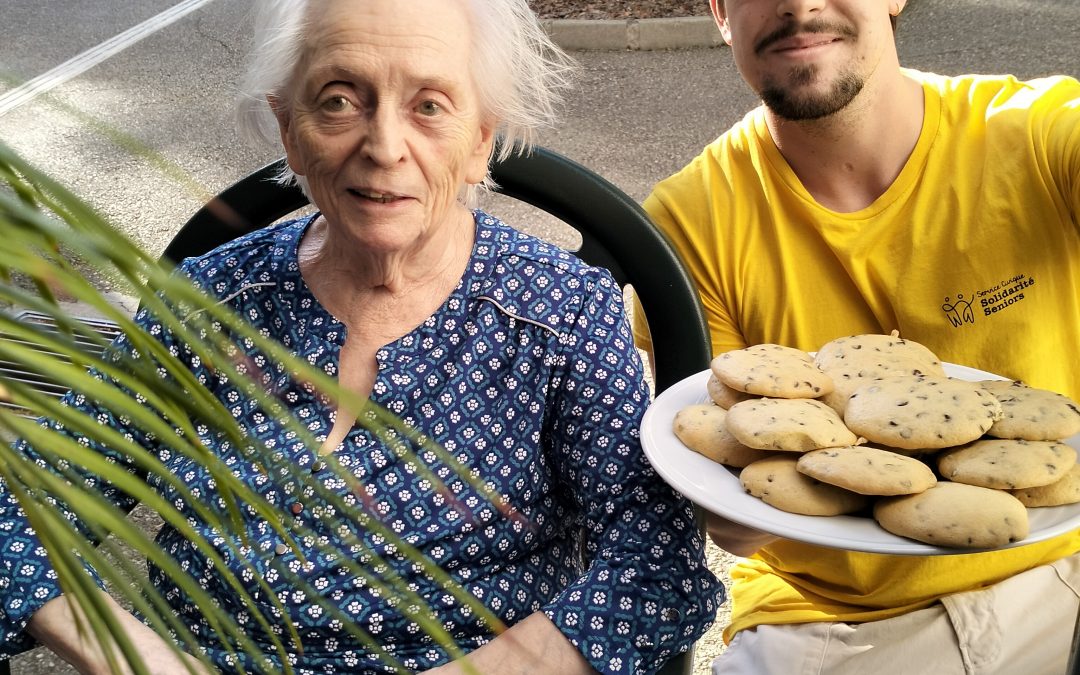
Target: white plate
x,y
716,488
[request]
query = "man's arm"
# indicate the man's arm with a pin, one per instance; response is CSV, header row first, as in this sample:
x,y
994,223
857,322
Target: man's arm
x,y
534,646
54,626
734,538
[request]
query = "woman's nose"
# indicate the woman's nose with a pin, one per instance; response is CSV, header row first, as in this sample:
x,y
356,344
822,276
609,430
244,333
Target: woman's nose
x,y
384,140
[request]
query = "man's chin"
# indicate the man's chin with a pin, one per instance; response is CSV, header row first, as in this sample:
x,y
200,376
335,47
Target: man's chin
x,y
801,106
800,111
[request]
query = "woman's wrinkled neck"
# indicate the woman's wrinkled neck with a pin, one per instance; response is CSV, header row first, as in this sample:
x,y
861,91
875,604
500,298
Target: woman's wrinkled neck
x,y
348,278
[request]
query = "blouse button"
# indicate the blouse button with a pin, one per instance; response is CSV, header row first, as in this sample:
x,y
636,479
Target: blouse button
x,y
671,614
281,549
318,466
296,508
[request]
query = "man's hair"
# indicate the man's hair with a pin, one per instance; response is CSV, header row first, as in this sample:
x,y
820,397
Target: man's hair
x,y
519,73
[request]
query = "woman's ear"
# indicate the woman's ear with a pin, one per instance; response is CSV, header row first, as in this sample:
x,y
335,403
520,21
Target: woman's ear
x,y
283,115
720,16
476,164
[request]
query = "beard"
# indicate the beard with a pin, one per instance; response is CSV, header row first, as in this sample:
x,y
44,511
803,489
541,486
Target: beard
x,y
789,103
795,100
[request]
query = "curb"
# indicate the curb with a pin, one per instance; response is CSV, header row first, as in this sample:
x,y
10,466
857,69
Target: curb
x,y
634,34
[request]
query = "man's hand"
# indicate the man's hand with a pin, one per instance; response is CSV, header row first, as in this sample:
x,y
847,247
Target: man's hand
x,y
734,538
54,626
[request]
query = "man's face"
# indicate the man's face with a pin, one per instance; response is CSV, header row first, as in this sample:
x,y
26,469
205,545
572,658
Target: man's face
x,y
807,59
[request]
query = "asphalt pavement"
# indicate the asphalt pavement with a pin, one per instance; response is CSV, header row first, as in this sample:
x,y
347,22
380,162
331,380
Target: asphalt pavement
x,y
635,116
145,134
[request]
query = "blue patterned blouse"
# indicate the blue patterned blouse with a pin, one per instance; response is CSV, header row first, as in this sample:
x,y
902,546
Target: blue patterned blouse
x,y
528,375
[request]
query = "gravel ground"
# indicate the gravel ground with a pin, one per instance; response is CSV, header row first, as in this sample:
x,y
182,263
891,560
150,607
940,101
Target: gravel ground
x,y
618,9
711,644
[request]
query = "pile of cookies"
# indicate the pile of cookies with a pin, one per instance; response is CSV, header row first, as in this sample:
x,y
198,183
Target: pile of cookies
x,y
871,424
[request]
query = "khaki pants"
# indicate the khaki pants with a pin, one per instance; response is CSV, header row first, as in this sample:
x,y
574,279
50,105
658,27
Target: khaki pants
x,y
1021,626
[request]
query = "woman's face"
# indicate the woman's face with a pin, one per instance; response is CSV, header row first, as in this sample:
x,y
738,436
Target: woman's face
x,y
382,118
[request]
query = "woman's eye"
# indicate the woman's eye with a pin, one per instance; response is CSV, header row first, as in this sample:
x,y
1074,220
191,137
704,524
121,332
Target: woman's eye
x,y
429,108
336,104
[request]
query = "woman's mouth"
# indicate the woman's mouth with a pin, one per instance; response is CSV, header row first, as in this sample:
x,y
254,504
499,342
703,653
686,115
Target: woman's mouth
x,y
375,196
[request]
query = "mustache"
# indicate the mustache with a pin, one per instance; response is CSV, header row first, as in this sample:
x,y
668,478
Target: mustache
x,y
793,28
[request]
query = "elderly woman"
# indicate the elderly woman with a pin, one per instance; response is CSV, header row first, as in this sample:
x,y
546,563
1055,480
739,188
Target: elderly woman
x,y
510,353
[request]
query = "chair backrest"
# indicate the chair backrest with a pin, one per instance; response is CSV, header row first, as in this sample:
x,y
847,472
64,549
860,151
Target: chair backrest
x,y
616,234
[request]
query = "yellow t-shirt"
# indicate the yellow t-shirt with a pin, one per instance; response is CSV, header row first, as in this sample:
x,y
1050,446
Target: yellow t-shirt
x,y
973,251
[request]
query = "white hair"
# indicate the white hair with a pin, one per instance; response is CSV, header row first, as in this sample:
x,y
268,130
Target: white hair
x,y
519,73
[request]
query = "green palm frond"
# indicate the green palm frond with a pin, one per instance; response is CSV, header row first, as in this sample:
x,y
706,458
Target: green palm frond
x,y
51,237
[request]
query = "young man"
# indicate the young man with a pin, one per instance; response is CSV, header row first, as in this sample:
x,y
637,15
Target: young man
x,y
863,198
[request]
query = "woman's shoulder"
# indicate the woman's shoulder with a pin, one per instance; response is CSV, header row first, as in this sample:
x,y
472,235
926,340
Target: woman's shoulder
x,y
263,253
512,248
528,276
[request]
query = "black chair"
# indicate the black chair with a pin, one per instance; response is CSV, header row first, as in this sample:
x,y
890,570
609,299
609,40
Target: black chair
x,y
616,234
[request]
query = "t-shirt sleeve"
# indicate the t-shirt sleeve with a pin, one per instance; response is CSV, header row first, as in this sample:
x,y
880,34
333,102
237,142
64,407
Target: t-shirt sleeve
x,y
678,208
1056,121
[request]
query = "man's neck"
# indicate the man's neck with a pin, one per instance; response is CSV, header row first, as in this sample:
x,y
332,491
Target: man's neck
x,y
849,159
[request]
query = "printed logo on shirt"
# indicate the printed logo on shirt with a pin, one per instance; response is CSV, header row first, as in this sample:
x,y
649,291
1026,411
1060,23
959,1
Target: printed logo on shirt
x,y
959,310
990,301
